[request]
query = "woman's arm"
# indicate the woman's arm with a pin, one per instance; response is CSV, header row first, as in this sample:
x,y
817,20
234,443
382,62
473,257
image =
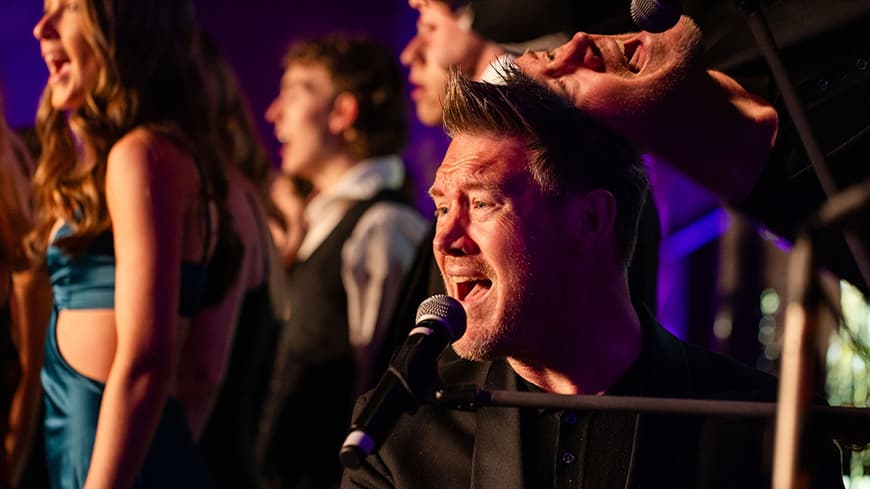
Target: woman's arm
x,y
146,181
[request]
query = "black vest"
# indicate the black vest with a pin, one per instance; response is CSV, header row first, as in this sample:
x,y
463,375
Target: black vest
x,y
318,328
310,401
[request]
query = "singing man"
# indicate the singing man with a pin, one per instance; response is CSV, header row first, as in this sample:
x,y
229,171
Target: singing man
x,y
537,207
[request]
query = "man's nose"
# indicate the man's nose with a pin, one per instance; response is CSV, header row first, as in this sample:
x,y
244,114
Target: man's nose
x,y
411,51
579,51
272,111
451,235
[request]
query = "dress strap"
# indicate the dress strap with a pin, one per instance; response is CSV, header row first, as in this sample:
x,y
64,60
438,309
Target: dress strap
x,y
205,189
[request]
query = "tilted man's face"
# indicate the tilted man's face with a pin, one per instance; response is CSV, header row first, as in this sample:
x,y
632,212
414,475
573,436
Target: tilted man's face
x,y
618,78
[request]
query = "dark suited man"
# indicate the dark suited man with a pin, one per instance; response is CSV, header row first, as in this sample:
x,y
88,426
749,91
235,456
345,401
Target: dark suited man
x,y
537,208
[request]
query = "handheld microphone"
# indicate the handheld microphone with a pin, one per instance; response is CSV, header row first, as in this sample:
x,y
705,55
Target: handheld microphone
x,y
410,377
655,15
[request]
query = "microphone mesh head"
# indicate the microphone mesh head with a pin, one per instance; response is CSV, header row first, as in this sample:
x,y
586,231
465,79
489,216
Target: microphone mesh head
x,y
655,15
447,311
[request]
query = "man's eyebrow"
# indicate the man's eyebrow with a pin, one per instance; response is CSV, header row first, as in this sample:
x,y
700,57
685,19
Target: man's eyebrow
x,y
296,83
490,187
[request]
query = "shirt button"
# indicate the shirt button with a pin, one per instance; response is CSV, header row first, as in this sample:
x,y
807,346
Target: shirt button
x,y
823,85
568,457
570,418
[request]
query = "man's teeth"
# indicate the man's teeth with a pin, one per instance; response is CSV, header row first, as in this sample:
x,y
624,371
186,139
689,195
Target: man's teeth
x,y
458,280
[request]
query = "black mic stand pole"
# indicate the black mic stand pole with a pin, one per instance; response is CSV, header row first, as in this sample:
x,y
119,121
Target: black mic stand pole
x,y
798,368
849,425
835,420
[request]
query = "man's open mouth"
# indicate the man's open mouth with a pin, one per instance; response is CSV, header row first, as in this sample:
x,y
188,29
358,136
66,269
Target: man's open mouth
x,y
468,289
635,54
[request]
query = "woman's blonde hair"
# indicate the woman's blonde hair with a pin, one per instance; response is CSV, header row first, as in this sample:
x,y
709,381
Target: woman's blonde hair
x,y
147,78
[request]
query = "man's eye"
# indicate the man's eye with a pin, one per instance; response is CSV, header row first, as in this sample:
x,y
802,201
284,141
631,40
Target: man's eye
x,y
479,204
441,211
425,28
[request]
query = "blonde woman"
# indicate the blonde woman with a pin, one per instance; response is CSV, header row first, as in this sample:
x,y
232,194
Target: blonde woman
x,y
127,191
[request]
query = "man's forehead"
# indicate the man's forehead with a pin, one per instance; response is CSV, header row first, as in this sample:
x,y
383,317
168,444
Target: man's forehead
x,y
303,71
435,12
419,4
306,67
471,158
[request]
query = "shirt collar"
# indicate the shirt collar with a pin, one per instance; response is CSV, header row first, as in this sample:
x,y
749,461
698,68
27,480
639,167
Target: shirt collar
x,y
361,182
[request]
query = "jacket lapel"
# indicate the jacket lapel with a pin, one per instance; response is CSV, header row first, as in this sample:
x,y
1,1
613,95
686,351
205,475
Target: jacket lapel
x,y
497,461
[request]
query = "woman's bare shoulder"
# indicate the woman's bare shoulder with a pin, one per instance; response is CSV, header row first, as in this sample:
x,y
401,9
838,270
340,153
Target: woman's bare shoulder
x,y
147,154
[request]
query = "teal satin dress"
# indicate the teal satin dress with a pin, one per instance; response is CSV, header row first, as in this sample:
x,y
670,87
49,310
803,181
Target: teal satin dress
x,y
72,400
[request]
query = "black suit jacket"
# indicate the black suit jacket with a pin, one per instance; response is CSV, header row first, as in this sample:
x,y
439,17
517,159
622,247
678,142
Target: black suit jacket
x,y
440,448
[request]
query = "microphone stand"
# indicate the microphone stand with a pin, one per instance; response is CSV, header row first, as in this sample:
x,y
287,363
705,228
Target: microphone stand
x,y
799,368
468,397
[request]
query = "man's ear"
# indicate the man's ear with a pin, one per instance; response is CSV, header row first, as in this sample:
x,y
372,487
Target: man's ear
x,y
593,217
345,110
